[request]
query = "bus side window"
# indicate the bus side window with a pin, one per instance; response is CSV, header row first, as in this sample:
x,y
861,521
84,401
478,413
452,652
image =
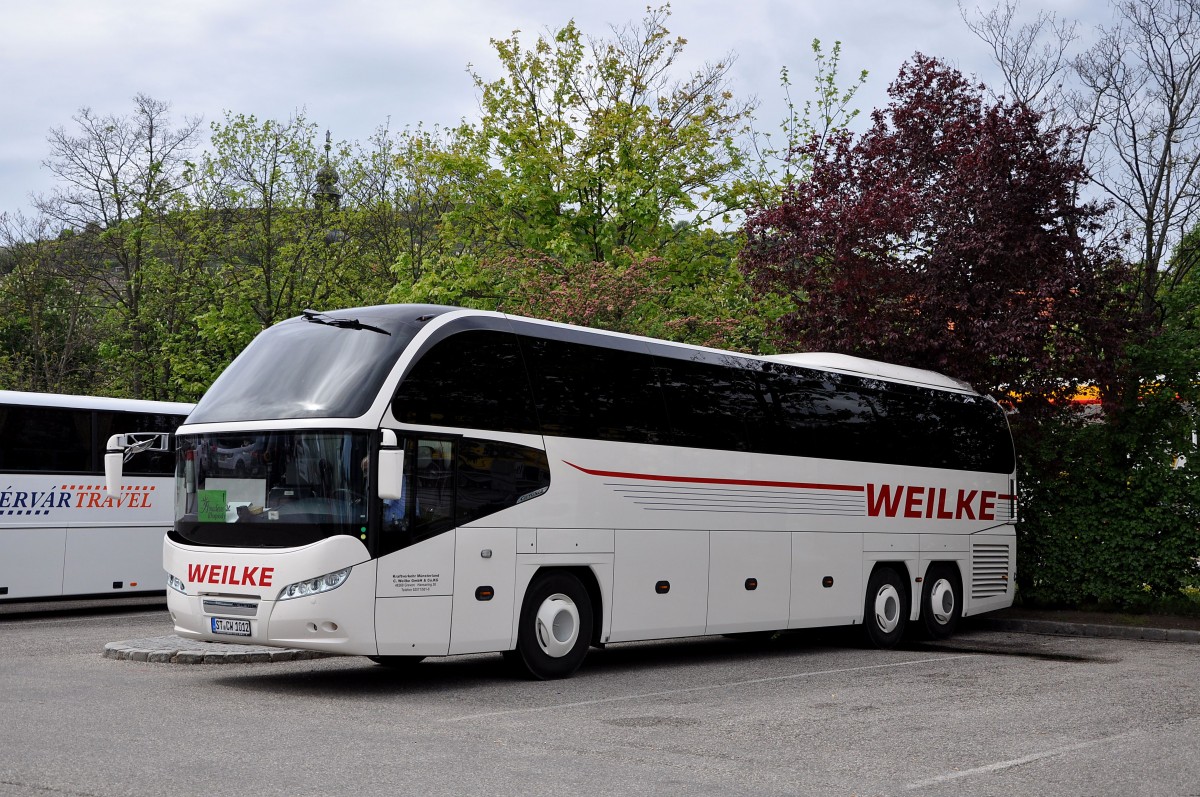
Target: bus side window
x,y
433,487
493,476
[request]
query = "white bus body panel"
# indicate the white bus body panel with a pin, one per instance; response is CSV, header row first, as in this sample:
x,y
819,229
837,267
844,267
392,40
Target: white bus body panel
x,y
338,621
420,571
484,558
414,603
413,626
646,557
64,535
993,570
749,581
816,556
33,563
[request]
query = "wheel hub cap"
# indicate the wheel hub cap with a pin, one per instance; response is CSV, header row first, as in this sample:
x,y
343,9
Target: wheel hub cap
x,y
557,625
887,608
941,601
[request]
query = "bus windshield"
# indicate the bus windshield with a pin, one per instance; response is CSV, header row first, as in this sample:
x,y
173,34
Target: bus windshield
x,y
271,489
316,366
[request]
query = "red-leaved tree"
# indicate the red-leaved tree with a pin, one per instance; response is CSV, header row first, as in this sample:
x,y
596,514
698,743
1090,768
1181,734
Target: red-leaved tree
x,y
948,236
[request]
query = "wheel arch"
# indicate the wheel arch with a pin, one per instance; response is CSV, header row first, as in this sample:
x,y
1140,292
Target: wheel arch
x,y
930,563
901,566
906,568
590,582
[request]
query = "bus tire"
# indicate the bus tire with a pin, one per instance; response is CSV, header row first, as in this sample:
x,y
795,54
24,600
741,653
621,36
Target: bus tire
x,y
941,601
885,613
555,627
397,662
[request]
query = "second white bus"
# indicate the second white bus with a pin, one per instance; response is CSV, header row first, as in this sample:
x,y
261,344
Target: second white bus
x,y
436,481
62,534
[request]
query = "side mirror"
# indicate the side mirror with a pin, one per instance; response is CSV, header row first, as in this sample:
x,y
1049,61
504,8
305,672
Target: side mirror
x,y
391,466
114,459
123,446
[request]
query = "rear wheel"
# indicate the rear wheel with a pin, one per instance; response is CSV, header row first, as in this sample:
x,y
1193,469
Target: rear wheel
x,y
555,627
885,613
941,601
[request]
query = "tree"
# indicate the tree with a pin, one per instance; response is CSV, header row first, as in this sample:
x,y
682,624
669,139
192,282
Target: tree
x,y
1109,510
948,236
1141,86
400,191
597,146
1136,92
829,113
49,327
1033,57
120,175
260,178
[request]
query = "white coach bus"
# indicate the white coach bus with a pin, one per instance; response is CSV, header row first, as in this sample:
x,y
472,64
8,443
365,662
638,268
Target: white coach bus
x,y
438,481
61,533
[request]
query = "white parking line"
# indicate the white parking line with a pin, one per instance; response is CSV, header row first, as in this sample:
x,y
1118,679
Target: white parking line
x,y
725,685
1015,762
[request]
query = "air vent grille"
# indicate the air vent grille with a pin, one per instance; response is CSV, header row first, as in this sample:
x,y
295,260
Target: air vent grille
x,y
990,567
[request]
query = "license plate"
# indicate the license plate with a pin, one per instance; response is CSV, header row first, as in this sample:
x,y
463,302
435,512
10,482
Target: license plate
x,y
221,625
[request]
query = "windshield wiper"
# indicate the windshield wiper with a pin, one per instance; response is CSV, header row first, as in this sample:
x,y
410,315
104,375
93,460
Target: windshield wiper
x,y
342,323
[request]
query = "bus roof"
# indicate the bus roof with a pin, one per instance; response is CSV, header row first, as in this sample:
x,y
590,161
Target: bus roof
x,y
93,402
860,366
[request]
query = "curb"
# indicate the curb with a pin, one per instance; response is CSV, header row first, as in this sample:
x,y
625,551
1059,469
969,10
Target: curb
x,y
177,650
1054,628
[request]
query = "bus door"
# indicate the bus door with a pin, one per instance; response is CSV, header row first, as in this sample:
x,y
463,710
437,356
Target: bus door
x,y
416,553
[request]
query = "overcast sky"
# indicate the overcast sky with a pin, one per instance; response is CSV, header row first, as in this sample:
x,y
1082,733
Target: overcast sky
x,y
352,65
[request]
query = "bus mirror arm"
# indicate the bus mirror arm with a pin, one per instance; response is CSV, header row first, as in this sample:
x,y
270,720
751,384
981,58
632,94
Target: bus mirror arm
x,y
391,466
123,447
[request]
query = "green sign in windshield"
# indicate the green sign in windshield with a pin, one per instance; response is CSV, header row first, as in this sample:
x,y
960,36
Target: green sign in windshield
x,y
210,506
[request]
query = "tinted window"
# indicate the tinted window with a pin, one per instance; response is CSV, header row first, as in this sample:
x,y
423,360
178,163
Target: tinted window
x,y
432,463
271,489
45,440
449,482
472,380
494,476
716,403
817,415
834,416
310,369
594,392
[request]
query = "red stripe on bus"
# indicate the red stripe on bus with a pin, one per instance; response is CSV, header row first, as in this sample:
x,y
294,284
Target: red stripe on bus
x,y
653,477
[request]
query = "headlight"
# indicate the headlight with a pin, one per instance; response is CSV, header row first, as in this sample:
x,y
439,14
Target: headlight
x,y
175,584
313,586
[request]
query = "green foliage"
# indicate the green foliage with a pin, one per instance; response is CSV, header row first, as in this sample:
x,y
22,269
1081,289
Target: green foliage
x,y
1107,516
403,190
1112,506
780,162
597,146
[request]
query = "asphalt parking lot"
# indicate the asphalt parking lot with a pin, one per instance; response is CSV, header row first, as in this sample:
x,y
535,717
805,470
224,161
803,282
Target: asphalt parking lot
x,y
986,713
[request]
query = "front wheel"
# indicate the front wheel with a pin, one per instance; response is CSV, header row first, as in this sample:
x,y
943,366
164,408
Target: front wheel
x,y
555,627
941,601
885,613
